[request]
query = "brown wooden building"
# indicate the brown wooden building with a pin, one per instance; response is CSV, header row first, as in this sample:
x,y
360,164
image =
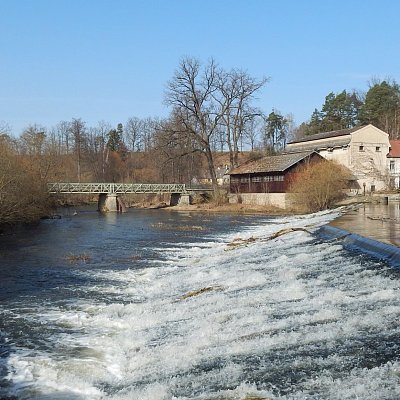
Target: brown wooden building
x,y
271,174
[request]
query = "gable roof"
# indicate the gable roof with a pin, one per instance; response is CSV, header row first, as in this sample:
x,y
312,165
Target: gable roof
x,y
327,135
272,163
313,146
394,148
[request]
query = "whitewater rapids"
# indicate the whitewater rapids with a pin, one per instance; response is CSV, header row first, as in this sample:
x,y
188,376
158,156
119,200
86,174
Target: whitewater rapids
x,y
292,318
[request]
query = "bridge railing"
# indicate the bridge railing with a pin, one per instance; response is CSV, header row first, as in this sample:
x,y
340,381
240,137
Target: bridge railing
x,y
117,188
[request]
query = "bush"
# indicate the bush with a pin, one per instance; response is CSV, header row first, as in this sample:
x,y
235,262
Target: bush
x,y
23,196
319,185
220,197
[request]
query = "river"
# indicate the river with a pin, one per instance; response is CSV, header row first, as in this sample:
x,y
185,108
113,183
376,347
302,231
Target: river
x,y
379,221
154,305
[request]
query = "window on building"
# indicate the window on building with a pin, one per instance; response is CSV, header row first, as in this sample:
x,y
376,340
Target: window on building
x,y
278,178
235,180
256,179
244,180
268,178
391,165
377,148
361,148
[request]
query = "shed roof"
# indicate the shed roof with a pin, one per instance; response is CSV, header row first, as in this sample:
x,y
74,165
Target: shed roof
x,y
327,135
272,163
394,148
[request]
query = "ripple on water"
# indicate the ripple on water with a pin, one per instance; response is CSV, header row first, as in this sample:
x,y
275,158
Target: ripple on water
x,y
293,318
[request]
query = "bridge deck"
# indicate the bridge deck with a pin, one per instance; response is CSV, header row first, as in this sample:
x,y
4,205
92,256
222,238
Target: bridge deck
x,y
119,188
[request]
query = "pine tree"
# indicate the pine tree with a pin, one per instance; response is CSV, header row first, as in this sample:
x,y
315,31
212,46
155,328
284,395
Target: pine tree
x,y
276,128
382,107
339,111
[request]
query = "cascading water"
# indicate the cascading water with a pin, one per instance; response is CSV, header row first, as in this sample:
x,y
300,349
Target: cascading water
x,y
162,308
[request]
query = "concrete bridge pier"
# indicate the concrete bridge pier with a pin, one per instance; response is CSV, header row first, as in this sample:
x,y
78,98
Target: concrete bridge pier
x,y
181,199
110,203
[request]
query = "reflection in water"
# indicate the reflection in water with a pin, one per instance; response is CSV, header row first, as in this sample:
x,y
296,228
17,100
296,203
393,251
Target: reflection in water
x,y
376,221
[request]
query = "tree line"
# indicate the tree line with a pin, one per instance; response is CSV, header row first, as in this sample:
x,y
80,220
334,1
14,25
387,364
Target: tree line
x,y
212,110
379,106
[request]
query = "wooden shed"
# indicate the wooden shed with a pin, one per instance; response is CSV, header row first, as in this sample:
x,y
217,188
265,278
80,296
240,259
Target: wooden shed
x,y
271,174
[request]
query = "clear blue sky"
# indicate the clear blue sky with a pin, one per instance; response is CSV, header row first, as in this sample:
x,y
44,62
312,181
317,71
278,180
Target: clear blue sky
x,y
110,59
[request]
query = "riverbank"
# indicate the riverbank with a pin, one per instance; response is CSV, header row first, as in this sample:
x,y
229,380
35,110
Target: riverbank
x,y
231,208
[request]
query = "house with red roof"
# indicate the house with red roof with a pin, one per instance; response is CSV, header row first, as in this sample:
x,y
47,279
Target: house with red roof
x,y
394,163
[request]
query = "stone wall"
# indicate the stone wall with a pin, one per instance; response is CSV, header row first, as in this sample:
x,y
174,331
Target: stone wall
x,y
261,199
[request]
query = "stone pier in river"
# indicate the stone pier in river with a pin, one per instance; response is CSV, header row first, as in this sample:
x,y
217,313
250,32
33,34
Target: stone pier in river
x,y
110,203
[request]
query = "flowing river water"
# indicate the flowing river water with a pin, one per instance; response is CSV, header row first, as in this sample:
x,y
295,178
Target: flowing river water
x,y
153,305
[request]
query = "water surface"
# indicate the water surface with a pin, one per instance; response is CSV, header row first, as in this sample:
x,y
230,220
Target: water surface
x,y
377,221
160,308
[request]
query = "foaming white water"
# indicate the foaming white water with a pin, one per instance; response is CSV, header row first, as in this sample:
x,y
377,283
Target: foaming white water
x,y
289,318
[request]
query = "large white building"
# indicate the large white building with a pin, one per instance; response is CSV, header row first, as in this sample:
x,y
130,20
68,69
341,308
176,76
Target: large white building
x,y
363,150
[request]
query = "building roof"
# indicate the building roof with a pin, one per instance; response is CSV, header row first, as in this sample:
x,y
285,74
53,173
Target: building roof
x,y
327,135
272,163
307,146
394,148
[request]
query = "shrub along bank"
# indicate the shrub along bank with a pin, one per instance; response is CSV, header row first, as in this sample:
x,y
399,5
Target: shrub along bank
x,y
319,185
23,194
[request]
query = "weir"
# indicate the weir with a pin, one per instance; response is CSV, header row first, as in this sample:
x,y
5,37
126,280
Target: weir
x,y
293,316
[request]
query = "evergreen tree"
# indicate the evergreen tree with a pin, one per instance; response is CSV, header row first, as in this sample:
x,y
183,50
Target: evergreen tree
x,y
276,128
315,124
382,107
339,111
114,139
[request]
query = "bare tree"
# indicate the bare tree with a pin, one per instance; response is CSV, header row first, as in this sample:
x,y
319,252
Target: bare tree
x,y
33,139
150,126
98,150
78,131
253,132
63,129
54,142
236,90
218,140
134,133
211,102
5,128
177,155
191,93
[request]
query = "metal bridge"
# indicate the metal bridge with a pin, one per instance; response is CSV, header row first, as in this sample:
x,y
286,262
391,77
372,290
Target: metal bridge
x,y
120,188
